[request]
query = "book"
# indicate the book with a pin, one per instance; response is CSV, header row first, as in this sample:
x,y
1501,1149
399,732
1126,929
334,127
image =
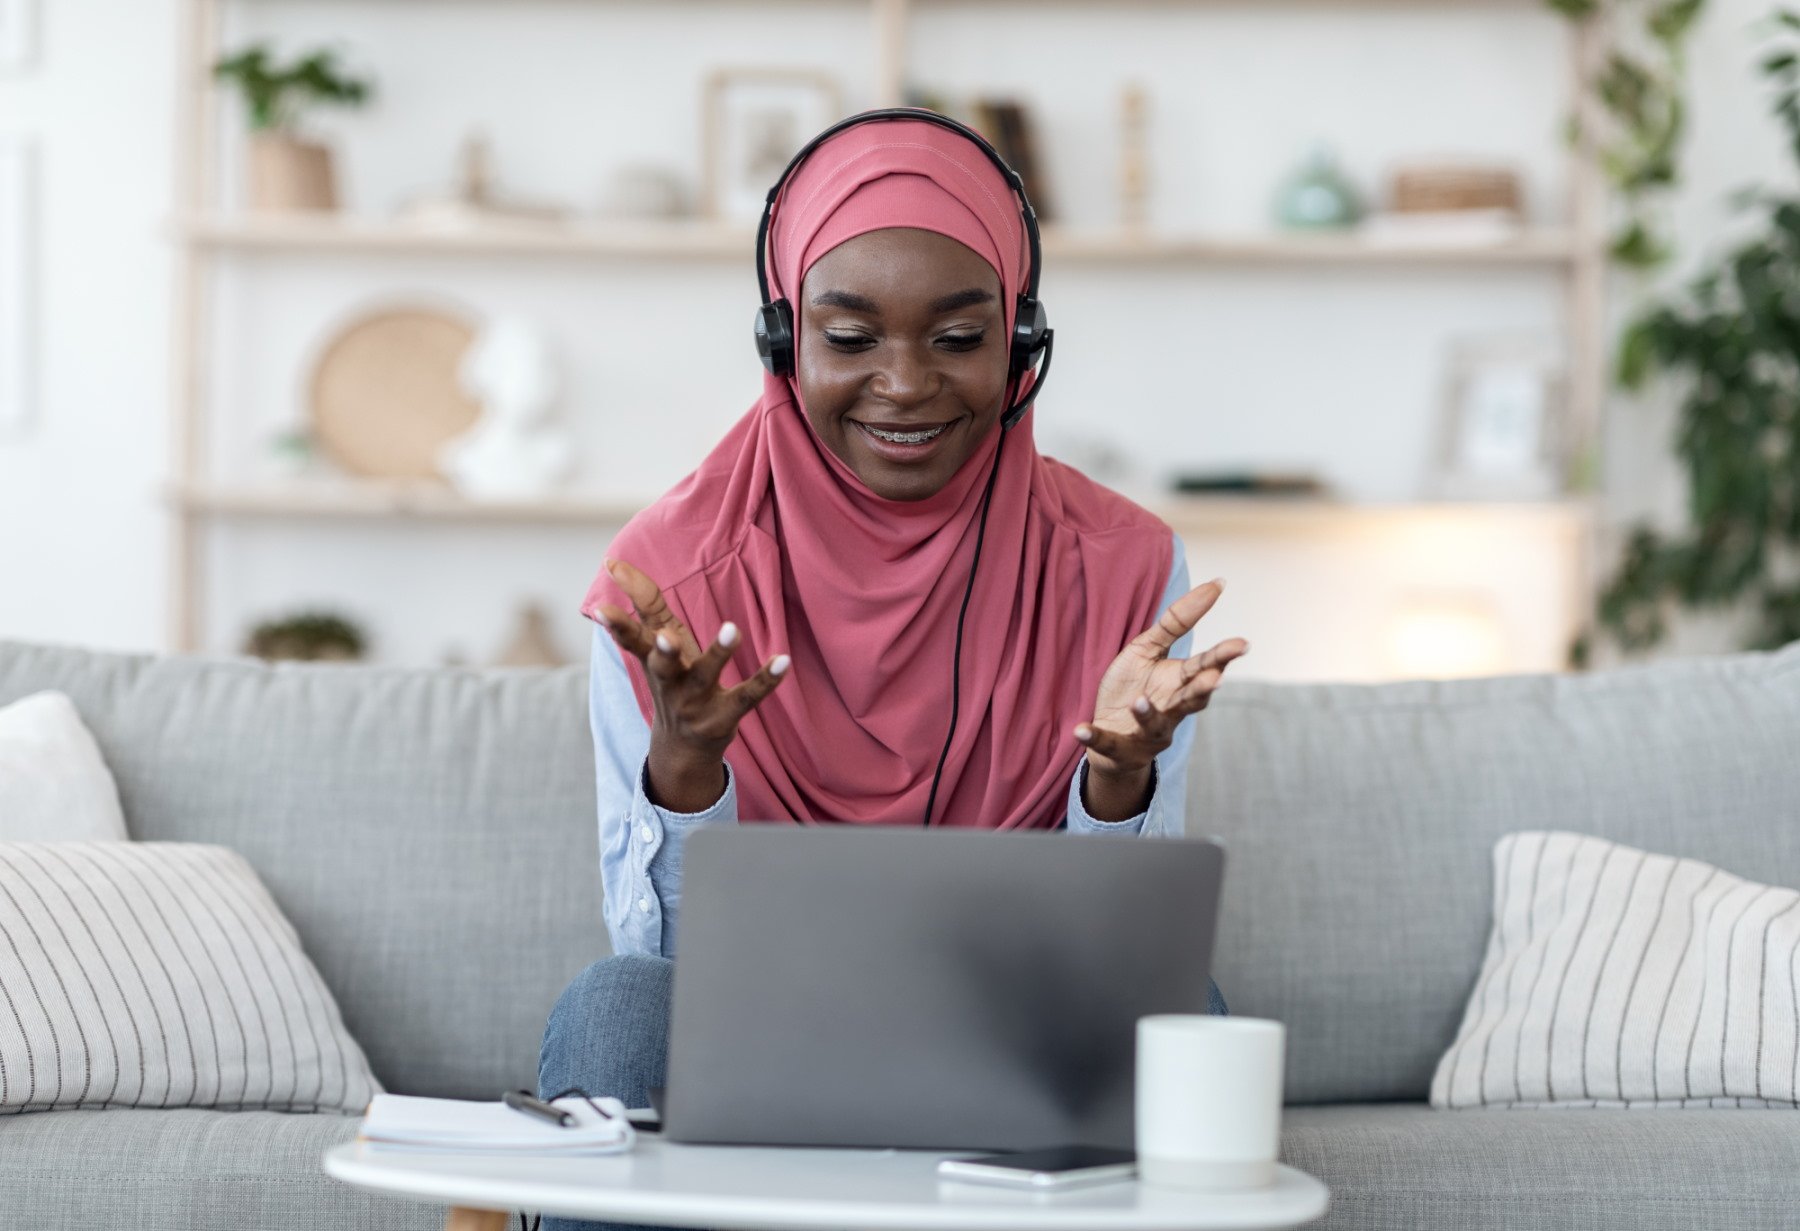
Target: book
x,y
466,1125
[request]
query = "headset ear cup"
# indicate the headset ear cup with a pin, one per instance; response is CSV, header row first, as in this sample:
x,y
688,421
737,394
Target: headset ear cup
x,y
1030,324
775,337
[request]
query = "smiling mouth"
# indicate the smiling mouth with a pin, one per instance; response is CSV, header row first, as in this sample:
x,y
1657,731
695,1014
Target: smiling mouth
x,y
904,438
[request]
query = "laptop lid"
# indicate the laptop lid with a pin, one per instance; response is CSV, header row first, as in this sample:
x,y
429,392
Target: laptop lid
x,y
941,989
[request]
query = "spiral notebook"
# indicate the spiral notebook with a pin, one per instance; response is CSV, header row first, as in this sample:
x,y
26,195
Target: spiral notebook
x,y
464,1125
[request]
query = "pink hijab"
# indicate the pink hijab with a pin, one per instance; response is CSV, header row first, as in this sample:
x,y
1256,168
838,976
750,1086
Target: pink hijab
x,y
774,532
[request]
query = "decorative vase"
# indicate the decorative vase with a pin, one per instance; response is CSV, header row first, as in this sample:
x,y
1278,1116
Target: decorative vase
x,y
1319,195
289,174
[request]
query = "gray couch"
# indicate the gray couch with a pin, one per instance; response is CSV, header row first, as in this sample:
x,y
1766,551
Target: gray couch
x,y
431,834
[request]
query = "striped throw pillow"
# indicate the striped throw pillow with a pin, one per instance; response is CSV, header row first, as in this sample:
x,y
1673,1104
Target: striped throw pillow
x,y
1619,978
160,974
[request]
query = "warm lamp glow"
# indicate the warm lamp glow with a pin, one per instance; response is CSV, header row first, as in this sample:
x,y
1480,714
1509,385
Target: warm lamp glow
x,y
1446,636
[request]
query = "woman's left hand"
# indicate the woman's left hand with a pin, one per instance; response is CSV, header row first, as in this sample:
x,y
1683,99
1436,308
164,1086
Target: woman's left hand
x,y
1145,693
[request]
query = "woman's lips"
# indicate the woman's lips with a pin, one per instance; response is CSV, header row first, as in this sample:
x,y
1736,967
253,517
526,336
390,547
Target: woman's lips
x,y
896,452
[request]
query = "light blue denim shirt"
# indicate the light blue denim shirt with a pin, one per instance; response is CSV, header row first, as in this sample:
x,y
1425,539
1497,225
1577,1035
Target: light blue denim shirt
x,y
640,843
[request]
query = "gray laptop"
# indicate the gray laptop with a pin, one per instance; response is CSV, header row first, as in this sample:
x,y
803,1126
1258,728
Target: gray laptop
x,y
942,989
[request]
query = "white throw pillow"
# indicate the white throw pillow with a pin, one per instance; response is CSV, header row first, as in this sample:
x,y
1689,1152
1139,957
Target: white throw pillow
x,y
160,974
1619,978
54,784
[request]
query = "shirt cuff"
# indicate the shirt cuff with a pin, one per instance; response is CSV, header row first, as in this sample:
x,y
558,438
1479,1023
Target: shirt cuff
x,y
1081,822
668,816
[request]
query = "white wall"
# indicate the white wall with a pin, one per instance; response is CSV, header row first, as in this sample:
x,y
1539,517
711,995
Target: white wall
x,y
1339,369
81,542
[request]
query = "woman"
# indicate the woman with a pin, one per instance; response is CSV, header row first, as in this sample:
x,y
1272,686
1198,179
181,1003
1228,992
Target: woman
x,y
832,537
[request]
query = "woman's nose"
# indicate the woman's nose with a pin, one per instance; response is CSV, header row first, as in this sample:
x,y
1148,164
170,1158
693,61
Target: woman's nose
x,y
904,377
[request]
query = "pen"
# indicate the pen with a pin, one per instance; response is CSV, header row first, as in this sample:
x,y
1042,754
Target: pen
x,y
519,1100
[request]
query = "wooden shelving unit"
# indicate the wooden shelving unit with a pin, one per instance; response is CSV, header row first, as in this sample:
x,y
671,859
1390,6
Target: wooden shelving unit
x,y
712,242
431,501
195,499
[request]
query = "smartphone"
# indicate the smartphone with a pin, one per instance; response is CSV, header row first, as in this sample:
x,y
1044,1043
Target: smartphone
x,y
1057,1167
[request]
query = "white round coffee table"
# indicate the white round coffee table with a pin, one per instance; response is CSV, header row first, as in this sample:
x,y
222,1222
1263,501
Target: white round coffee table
x,y
753,1188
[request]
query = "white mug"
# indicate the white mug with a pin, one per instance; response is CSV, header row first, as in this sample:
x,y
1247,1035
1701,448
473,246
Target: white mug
x,y
1208,1100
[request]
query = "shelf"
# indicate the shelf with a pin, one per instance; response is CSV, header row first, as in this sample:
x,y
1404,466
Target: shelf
x,y
1263,514
702,240
434,502
378,500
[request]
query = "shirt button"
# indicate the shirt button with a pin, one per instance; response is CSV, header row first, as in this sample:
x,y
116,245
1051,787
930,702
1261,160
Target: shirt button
x,y
644,905
645,833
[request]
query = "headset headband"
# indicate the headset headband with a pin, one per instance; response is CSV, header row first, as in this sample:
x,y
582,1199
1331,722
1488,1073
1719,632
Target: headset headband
x,y
901,113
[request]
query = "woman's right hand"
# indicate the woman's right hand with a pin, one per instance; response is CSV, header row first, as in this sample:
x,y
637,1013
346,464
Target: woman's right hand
x,y
695,720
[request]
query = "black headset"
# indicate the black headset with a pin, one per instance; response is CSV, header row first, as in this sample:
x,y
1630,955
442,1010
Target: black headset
x,y
1031,326
1031,334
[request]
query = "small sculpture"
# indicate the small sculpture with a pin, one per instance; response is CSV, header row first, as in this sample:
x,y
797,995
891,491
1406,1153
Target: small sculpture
x,y
474,200
515,451
1134,158
531,644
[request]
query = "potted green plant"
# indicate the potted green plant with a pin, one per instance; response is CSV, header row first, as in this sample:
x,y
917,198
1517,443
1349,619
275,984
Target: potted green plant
x,y
1730,343
308,636
287,170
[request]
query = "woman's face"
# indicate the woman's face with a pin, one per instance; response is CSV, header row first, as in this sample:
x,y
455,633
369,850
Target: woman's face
x,y
902,330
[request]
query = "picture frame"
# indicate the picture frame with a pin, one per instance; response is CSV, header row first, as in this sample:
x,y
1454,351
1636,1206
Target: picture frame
x,y
1501,433
16,274
18,30
756,120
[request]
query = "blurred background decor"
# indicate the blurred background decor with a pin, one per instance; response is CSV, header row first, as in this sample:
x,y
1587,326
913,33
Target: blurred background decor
x,y
1729,341
309,636
18,250
289,171
293,451
1502,431
386,394
1006,123
515,450
756,120
1134,157
531,643
646,190
1447,201
1259,482
473,200
1318,195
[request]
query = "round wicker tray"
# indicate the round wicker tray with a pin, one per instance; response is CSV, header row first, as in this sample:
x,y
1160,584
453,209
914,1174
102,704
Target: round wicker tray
x,y
385,395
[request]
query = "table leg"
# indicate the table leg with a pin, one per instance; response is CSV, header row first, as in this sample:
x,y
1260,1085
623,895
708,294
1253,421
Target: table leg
x,y
462,1218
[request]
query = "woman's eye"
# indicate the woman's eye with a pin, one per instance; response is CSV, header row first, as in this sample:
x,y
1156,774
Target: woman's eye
x,y
962,341
849,341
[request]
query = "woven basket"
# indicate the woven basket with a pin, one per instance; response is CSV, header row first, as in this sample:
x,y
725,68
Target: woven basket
x,y
1432,189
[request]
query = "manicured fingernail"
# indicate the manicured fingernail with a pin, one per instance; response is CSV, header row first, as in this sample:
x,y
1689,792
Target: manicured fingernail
x,y
728,634
1083,734
1220,582
780,665
609,563
664,644
1141,705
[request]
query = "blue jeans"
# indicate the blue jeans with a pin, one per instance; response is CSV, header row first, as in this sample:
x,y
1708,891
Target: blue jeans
x,y
609,1035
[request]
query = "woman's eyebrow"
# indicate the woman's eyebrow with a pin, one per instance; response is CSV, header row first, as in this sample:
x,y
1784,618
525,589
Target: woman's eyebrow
x,y
962,299
862,303
846,299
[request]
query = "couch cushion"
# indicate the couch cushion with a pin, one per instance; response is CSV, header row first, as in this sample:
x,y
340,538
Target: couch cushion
x,y
430,833
1405,1165
186,1170
1359,822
